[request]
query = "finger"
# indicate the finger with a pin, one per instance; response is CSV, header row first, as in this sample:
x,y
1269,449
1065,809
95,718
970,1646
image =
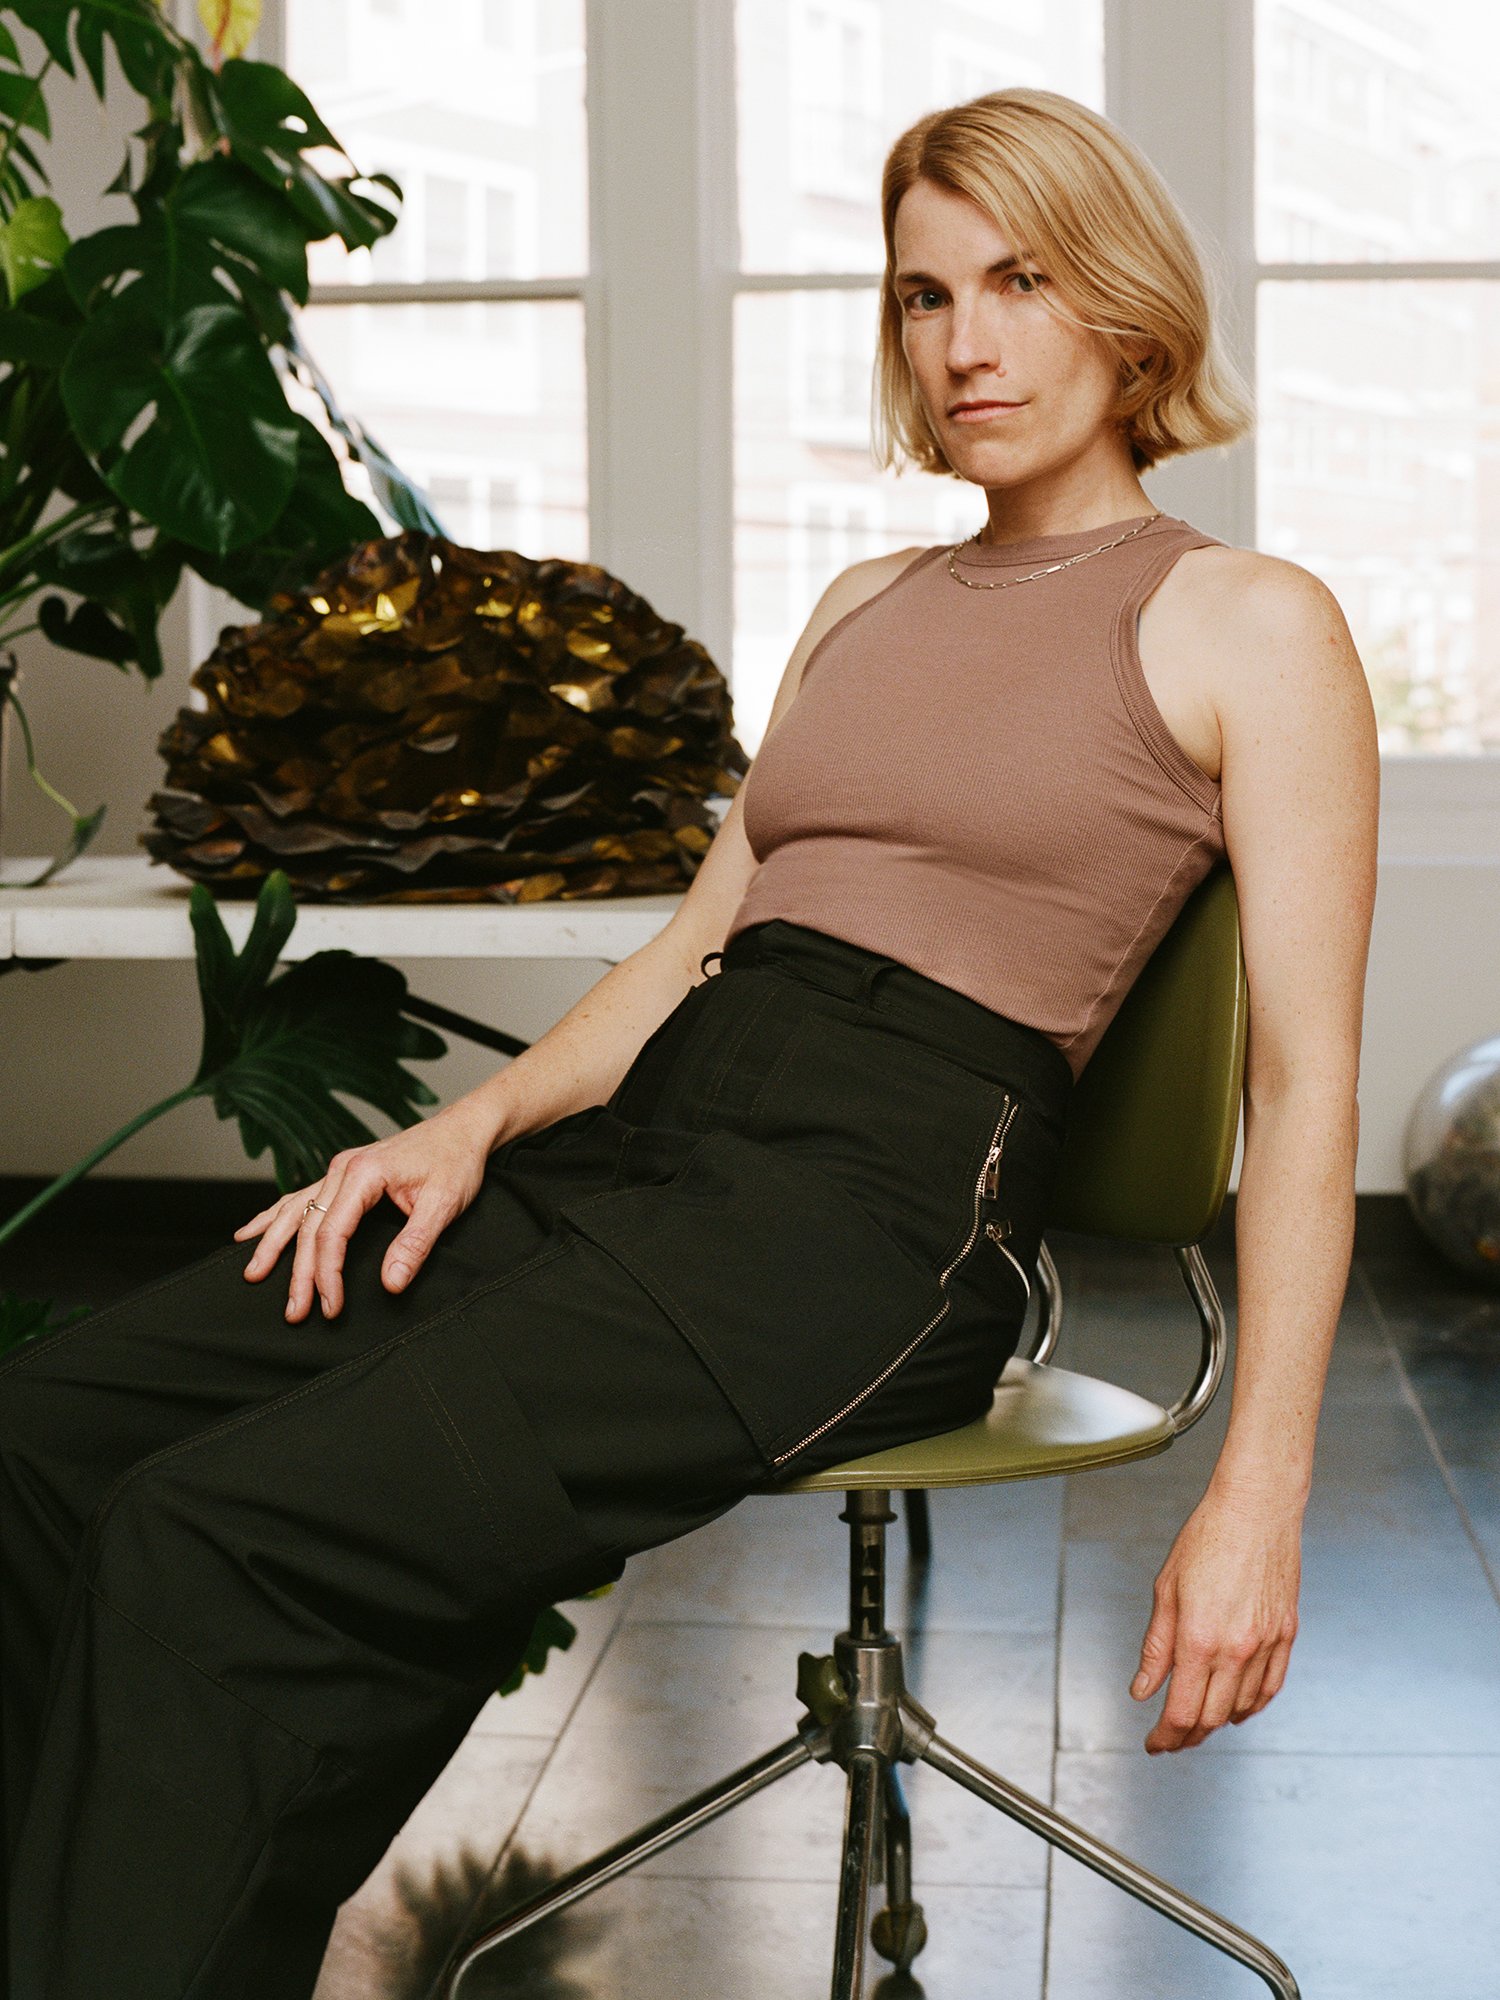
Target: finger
x,y
1276,1666
408,1250
357,1195
1219,1698
1183,1705
1156,1648
302,1287
278,1233
1250,1685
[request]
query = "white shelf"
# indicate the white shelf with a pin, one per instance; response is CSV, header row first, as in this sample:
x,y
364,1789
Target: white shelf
x,y
129,907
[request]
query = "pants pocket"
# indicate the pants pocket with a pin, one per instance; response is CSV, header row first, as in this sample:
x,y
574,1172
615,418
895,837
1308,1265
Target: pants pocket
x,y
790,1291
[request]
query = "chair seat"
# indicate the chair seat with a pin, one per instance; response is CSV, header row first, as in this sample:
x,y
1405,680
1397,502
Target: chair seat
x,y
1042,1420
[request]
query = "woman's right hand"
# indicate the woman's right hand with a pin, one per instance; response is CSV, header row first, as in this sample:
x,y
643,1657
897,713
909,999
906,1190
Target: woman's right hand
x,y
431,1171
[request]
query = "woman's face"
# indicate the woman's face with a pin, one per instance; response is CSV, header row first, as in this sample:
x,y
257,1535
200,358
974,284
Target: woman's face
x,y
976,334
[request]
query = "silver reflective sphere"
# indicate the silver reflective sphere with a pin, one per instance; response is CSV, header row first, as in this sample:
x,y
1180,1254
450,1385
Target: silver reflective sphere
x,y
1451,1159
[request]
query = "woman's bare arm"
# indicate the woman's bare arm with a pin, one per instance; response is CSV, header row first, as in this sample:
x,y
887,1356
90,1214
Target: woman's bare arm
x,y
1301,794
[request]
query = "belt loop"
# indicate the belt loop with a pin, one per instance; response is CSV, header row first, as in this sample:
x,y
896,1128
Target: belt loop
x,y
865,994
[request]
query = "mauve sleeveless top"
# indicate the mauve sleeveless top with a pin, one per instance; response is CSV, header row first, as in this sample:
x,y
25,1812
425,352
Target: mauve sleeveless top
x,y
979,784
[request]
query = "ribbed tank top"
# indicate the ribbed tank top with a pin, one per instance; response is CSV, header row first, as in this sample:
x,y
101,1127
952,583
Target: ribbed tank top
x,y
979,783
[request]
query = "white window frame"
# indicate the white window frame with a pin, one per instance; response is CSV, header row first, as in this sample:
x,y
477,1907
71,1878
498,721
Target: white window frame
x,y
658,300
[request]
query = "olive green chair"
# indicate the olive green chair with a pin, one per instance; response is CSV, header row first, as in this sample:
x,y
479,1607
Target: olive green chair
x,y
1151,1133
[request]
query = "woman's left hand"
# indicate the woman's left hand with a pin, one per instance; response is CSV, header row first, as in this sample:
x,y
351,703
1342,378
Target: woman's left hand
x,y
1223,1619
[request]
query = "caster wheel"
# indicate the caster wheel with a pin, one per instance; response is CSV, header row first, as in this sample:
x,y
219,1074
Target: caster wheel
x,y
899,1933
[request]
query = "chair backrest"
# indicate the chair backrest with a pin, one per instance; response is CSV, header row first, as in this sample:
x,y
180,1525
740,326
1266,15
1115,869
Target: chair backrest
x,y
1153,1119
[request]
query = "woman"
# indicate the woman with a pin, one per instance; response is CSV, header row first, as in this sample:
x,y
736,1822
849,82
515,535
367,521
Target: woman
x,y
262,1566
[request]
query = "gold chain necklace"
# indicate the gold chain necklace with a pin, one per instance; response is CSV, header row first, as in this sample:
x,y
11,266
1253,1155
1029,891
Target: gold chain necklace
x,y
1066,563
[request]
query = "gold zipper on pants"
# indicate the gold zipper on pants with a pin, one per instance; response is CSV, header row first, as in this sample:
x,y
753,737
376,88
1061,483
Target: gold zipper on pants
x,y
985,1186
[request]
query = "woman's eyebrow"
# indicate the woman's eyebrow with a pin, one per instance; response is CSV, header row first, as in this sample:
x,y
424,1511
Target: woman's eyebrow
x,y
1003,264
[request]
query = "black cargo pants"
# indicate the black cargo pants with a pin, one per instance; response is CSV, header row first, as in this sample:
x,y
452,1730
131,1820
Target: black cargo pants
x,y
258,1578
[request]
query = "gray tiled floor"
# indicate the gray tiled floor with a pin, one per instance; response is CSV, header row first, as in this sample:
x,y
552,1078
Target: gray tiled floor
x,y
1352,1824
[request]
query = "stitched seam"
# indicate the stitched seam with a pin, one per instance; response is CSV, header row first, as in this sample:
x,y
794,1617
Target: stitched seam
x,y
772,1075
247,1877
868,1383
1166,886
462,1457
214,1681
715,1085
28,1350
1141,705
278,1403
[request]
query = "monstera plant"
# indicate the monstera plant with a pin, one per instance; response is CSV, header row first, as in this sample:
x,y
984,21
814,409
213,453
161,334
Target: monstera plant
x,y
146,424
274,1052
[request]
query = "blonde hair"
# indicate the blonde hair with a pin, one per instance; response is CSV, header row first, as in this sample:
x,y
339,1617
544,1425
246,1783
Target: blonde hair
x,y
1079,197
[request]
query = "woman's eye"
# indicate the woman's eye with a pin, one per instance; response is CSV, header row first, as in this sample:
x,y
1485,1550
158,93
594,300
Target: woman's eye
x,y
1034,282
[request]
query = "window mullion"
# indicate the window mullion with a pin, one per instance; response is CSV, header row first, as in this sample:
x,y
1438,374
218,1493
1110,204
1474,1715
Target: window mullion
x,y
660,422
1179,80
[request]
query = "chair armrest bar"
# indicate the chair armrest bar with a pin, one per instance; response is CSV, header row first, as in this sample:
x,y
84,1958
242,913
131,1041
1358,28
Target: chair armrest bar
x,y
1050,1330
1186,1411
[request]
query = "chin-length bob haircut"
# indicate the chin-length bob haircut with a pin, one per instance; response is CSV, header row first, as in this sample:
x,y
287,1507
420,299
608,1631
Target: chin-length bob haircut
x,y
1078,197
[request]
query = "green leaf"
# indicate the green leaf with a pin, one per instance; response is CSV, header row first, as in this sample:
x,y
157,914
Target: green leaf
x,y
264,110
22,102
88,629
270,123
320,523
23,1319
225,202
128,586
274,1051
187,424
32,245
144,39
50,20
36,342
8,50
85,826
551,1631
169,269
401,497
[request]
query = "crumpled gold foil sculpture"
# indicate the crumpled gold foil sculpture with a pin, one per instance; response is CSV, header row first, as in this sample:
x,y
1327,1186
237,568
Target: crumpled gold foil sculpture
x,y
428,724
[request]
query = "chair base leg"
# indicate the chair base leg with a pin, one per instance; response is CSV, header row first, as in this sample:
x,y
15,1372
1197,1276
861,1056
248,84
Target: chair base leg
x,y
1114,1867
639,1846
900,1929
861,1716
861,1813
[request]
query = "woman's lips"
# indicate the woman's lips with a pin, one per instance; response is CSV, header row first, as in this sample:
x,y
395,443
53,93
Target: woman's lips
x,y
983,411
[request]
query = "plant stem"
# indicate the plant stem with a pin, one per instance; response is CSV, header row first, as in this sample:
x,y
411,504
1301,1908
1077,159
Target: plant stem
x,y
19,632
14,131
76,1172
85,510
56,797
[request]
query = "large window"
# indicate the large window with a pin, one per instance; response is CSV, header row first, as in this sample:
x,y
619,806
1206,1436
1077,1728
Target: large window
x,y
1377,149
1342,157
823,89
459,339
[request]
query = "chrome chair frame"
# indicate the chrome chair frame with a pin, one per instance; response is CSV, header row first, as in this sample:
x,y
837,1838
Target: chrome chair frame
x,y
861,1716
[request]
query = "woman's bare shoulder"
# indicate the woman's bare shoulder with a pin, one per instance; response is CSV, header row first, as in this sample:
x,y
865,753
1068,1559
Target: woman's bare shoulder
x,y
1227,605
863,580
